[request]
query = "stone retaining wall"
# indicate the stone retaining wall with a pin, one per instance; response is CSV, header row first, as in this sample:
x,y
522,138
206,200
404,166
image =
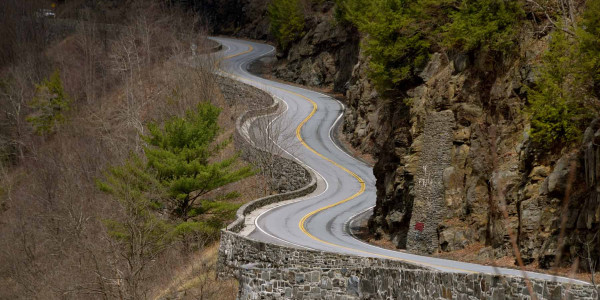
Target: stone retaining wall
x,y
260,282
236,251
286,175
269,271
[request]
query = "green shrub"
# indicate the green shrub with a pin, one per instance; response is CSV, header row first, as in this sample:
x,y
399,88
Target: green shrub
x,y
396,40
50,104
484,24
589,49
557,112
180,151
565,97
401,34
287,21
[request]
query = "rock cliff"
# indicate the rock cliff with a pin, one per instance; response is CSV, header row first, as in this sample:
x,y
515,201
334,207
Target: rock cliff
x,y
455,165
324,56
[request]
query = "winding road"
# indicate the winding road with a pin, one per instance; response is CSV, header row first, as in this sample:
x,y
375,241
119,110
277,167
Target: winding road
x,y
346,186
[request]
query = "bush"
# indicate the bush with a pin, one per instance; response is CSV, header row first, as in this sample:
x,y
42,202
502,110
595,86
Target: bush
x,y
401,33
565,97
589,36
557,112
397,43
287,21
49,104
484,24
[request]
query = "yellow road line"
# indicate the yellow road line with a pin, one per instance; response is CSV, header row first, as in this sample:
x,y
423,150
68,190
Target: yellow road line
x,y
360,180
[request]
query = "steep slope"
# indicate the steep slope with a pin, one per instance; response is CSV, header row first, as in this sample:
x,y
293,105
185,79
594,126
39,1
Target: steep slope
x,y
456,165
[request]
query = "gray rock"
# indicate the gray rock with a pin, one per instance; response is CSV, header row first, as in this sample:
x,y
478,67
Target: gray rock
x,y
460,63
352,285
433,66
557,180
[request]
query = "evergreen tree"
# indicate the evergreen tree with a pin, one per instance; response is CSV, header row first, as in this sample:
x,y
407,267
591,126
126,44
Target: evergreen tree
x,y
287,21
397,40
553,104
401,34
565,97
180,152
50,104
484,24
589,36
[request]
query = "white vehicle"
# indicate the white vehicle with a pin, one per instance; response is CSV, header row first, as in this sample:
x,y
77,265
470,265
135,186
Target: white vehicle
x,y
45,13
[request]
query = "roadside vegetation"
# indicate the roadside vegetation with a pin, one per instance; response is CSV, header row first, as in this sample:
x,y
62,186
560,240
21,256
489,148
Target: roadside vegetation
x,y
287,21
566,97
401,35
116,166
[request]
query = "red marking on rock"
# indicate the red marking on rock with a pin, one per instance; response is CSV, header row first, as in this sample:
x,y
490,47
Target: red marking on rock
x,y
419,226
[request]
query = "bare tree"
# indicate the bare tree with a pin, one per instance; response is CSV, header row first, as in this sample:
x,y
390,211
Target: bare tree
x,y
587,254
564,8
274,137
15,92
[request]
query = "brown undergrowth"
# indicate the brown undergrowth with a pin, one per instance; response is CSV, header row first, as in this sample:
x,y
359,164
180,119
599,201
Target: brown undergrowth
x,y
53,238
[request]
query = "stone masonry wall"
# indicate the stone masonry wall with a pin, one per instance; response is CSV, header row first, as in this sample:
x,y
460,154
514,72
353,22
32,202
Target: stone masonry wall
x,y
258,282
429,206
286,175
268,271
236,251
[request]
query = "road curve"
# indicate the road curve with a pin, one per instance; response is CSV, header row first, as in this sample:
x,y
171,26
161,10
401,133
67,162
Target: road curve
x,y
348,186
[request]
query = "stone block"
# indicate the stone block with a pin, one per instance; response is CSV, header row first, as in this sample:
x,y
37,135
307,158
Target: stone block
x,y
299,278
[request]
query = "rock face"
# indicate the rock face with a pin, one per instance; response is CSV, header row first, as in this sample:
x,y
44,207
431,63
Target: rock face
x,y
455,165
325,55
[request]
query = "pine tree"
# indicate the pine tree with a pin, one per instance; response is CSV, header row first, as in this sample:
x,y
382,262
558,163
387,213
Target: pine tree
x,y
50,105
287,21
180,153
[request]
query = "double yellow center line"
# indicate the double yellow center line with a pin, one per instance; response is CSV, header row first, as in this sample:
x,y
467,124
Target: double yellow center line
x,y
301,225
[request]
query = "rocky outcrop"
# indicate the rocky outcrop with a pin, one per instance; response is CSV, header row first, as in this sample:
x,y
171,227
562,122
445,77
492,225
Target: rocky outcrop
x,y
270,271
324,56
474,178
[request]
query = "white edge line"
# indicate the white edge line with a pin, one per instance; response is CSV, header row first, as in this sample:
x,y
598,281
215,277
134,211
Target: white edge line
x,y
288,202
552,277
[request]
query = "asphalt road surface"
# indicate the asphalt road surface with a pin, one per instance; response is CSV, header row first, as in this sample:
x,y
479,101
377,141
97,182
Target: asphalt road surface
x,y
347,188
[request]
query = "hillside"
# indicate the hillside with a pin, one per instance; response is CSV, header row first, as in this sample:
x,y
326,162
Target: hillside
x,y
117,169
